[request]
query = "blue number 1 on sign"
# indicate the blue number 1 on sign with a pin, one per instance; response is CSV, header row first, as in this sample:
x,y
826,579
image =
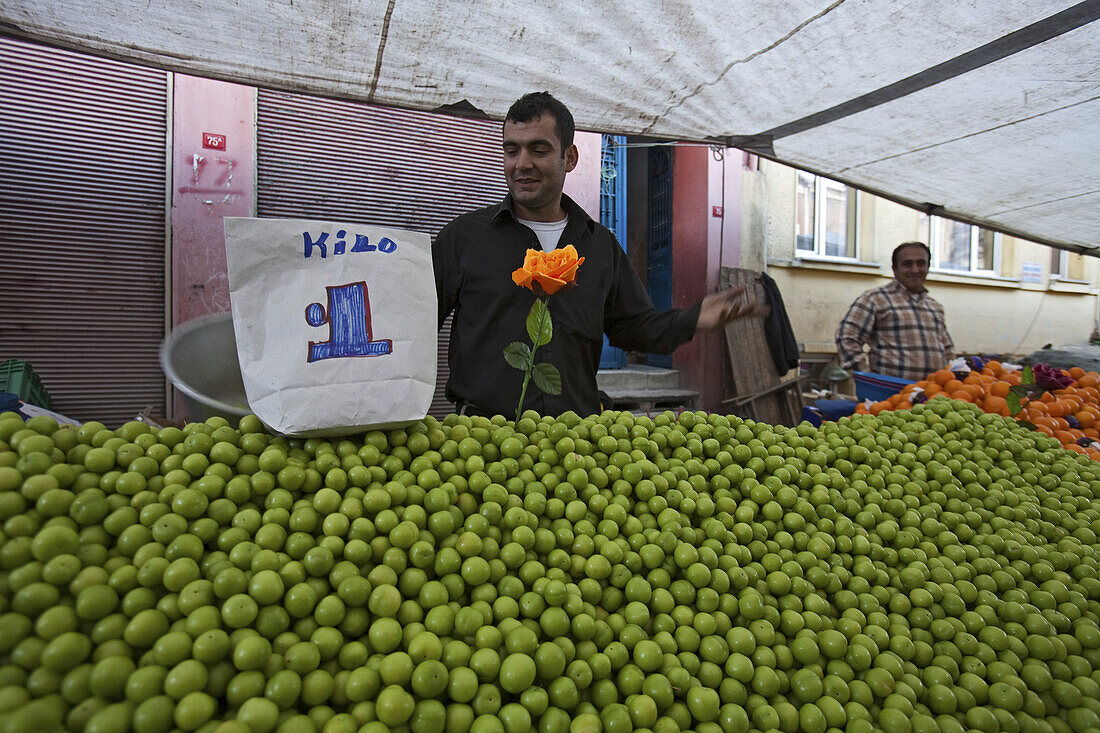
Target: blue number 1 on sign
x,y
349,329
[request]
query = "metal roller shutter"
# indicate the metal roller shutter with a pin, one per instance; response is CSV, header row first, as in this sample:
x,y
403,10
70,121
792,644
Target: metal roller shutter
x,y
82,237
324,159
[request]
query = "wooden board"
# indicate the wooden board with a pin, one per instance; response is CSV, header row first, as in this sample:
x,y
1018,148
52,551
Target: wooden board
x,y
758,391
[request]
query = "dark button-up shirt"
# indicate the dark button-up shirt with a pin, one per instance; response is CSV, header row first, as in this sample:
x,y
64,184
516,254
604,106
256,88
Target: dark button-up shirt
x,y
475,256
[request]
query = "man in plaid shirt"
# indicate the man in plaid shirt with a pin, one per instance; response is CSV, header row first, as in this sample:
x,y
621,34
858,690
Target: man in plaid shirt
x,y
900,321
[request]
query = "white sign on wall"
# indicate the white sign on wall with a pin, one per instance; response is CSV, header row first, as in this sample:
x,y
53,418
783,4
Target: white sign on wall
x,y
1032,272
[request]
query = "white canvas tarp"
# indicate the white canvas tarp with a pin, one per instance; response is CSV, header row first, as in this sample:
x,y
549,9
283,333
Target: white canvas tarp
x,y
985,110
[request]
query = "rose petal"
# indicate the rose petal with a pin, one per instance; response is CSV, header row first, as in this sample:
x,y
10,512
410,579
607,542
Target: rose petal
x,y
522,278
556,269
550,284
565,264
570,274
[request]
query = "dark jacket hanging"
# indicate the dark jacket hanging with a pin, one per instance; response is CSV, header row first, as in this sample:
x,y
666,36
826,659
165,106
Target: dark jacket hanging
x,y
777,329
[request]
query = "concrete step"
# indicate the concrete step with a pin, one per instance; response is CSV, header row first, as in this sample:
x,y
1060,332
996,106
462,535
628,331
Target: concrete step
x,y
635,377
650,401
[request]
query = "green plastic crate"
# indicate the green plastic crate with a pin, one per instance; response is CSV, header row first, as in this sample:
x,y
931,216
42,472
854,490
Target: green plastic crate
x,y
17,377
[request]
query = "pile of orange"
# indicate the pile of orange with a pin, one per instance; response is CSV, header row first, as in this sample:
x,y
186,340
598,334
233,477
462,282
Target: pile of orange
x,y
1068,414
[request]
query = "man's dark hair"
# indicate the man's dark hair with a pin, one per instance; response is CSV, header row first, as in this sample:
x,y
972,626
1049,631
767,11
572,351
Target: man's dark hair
x,y
904,245
533,105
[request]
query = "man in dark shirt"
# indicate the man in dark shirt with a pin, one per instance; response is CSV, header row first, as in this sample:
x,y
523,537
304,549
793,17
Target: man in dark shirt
x,y
475,256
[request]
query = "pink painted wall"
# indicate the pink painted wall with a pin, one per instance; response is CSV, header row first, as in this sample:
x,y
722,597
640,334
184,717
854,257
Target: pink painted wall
x,y
583,184
208,184
724,231
703,240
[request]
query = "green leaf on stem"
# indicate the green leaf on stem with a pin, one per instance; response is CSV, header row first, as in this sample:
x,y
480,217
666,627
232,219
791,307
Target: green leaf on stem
x,y
1019,390
518,354
1028,377
539,326
547,378
1013,401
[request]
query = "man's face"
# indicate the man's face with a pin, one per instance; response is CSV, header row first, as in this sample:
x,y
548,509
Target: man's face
x,y
534,167
912,268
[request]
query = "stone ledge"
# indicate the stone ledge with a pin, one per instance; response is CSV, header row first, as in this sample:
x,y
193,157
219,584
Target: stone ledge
x,y
637,377
652,400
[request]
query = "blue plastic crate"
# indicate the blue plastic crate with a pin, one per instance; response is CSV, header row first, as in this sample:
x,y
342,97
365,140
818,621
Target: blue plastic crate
x,y
877,387
9,402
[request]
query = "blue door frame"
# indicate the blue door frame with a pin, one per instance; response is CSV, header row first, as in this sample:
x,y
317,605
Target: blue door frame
x,y
659,241
613,216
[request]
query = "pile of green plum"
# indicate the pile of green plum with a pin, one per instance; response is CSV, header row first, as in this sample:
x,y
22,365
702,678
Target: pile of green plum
x,y
933,569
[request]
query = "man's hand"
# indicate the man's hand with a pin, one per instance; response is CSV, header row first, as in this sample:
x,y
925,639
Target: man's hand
x,y
718,309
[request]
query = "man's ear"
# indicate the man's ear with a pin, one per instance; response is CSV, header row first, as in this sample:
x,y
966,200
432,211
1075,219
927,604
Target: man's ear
x,y
572,155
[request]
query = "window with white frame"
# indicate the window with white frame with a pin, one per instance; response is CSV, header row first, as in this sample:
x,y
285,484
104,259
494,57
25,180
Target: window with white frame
x,y
1058,263
1066,265
959,247
826,217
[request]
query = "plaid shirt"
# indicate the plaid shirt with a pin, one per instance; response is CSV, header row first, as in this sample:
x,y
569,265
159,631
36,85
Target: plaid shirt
x,y
906,332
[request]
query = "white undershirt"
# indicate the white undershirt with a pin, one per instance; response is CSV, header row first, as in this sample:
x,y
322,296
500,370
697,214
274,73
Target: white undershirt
x,y
548,232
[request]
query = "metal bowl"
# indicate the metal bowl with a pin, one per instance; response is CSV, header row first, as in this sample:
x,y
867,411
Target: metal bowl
x,y
200,359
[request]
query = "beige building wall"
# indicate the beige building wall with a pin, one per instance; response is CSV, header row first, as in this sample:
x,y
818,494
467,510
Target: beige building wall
x,y
1000,314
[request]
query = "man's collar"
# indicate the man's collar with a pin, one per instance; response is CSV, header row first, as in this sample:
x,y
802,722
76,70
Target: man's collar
x,y
576,215
896,285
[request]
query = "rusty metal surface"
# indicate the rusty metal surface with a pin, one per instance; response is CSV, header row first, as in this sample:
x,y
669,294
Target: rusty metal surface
x,y
82,234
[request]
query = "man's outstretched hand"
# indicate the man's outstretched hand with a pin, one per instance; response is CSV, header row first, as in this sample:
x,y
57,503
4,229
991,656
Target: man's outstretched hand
x,y
718,309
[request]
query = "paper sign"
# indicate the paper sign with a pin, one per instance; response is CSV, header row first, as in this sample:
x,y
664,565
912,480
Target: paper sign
x,y
1031,272
336,323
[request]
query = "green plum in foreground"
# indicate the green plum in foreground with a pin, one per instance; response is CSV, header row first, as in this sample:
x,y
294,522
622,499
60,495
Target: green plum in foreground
x,y
934,569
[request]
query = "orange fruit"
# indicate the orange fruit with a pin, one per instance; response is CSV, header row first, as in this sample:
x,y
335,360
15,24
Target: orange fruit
x,y
1065,437
996,405
1046,422
975,391
1089,379
1000,389
942,377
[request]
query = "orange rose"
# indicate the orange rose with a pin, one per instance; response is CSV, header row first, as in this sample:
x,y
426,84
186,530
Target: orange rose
x,y
548,272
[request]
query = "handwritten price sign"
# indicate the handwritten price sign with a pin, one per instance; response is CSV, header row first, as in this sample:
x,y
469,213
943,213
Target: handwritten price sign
x,y
335,323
